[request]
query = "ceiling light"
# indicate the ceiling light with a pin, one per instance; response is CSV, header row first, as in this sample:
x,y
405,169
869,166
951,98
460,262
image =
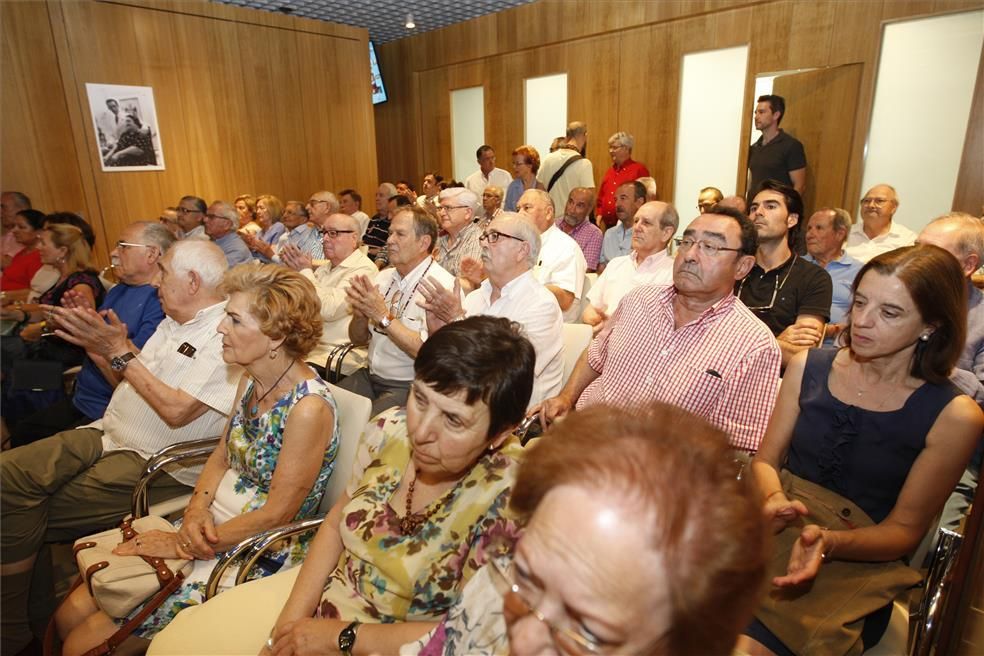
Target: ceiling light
x,y
410,24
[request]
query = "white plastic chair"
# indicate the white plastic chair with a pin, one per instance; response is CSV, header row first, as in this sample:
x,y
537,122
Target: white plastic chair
x,y
576,337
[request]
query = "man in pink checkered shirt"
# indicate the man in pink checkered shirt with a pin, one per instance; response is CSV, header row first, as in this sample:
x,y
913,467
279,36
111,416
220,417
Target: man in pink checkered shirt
x,y
691,344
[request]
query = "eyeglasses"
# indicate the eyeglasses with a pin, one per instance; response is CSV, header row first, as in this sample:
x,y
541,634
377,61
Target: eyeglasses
x,y
123,245
705,247
184,210
775,292
516,604
877,202
444,209
331,233
492,236
313,203
213,217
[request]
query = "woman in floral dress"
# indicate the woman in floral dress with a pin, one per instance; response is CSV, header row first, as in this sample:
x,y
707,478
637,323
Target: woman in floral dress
x,y
261,475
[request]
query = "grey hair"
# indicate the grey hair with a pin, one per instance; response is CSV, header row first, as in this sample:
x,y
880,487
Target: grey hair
x,y
650,183
462,195
669,217
226,211
389,187
622,139
841,219
543,196
332,200
526,231
155,234
970,232
203,257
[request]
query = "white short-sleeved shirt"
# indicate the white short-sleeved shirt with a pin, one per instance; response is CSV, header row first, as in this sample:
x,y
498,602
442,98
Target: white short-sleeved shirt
x,y
131,424
386,359
561,263
530,304
331,282
625,273
861,247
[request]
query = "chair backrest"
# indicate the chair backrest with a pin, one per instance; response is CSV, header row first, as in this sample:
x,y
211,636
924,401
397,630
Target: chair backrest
x,y
353,415
589,281
577,336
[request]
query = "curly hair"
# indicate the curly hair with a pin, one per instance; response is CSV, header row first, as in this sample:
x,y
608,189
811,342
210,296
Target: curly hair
x,y
284,303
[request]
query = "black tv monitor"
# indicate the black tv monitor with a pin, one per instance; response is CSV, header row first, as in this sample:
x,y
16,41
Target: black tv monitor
x,y
378,88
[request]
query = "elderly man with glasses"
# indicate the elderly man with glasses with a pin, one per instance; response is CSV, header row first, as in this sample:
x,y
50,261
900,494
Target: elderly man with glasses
x,y
876,232
510,249
191,217
456,211
221,221
691,344
340,242
791,295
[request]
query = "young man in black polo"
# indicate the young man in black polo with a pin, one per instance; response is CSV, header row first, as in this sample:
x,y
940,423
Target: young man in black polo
x,y
776,155
790,295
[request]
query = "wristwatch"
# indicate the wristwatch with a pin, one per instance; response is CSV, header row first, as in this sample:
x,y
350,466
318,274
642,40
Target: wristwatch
x,y
385,322
346,639
120,361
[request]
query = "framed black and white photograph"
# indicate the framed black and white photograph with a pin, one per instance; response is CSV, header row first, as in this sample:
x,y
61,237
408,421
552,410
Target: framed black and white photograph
x,y
125,122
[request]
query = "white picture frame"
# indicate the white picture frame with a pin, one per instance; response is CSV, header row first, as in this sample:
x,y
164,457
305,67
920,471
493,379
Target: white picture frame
x,y
125,114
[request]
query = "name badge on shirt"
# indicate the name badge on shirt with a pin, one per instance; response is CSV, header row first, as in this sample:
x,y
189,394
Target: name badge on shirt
x,y
187,350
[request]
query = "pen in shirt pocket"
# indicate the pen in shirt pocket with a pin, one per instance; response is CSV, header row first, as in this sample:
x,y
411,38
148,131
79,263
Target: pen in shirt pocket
x,y
711,372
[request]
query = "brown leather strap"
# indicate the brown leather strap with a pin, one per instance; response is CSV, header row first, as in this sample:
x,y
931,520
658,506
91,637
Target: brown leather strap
x,y
92,569
152,604
163,572
128,531
82,545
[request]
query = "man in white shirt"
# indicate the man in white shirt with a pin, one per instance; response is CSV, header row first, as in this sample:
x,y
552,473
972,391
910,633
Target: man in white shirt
x,y
629,197
386,314
876,233
351,204
486,175
176,389
566,168
649,263
561,265
191,217
340,241
510,249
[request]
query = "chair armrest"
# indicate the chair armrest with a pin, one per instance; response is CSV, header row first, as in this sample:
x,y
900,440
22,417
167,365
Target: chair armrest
x,y
249,550
333,367
925,617
139,503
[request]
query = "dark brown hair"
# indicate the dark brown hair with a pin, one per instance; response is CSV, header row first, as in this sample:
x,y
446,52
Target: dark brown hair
x,y
937,287
678,475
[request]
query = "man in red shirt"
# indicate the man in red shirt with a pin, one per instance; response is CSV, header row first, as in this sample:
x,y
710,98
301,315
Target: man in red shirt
x,y
624,169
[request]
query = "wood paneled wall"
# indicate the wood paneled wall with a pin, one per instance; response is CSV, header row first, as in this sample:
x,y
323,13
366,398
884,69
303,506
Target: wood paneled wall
x,y
247,102
623,59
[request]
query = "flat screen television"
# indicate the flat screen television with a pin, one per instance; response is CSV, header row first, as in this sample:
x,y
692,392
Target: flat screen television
x,y
378,88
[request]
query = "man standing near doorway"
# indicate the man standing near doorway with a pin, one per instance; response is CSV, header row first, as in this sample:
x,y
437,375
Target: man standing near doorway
x,y
776,155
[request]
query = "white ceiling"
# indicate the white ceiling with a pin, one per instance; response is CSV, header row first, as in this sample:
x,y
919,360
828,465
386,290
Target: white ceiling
x,y
384,19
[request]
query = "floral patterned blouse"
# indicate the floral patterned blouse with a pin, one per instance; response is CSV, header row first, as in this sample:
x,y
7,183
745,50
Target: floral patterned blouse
x,y
384,576
252,447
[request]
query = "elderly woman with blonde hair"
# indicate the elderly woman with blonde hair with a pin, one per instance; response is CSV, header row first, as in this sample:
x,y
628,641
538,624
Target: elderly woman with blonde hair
x,y
271,466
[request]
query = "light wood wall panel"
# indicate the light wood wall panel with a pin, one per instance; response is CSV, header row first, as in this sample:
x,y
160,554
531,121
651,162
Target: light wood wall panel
x,y
623,60
247,102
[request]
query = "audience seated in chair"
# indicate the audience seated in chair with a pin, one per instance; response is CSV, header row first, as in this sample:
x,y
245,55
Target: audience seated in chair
x,y
629,197
576,223
510,250
790,295
426,501
340,243
629,546
386,313
133,300
177,388
220,226
649,263
262,473
826,232
561,265
692,344
877,437
876,232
